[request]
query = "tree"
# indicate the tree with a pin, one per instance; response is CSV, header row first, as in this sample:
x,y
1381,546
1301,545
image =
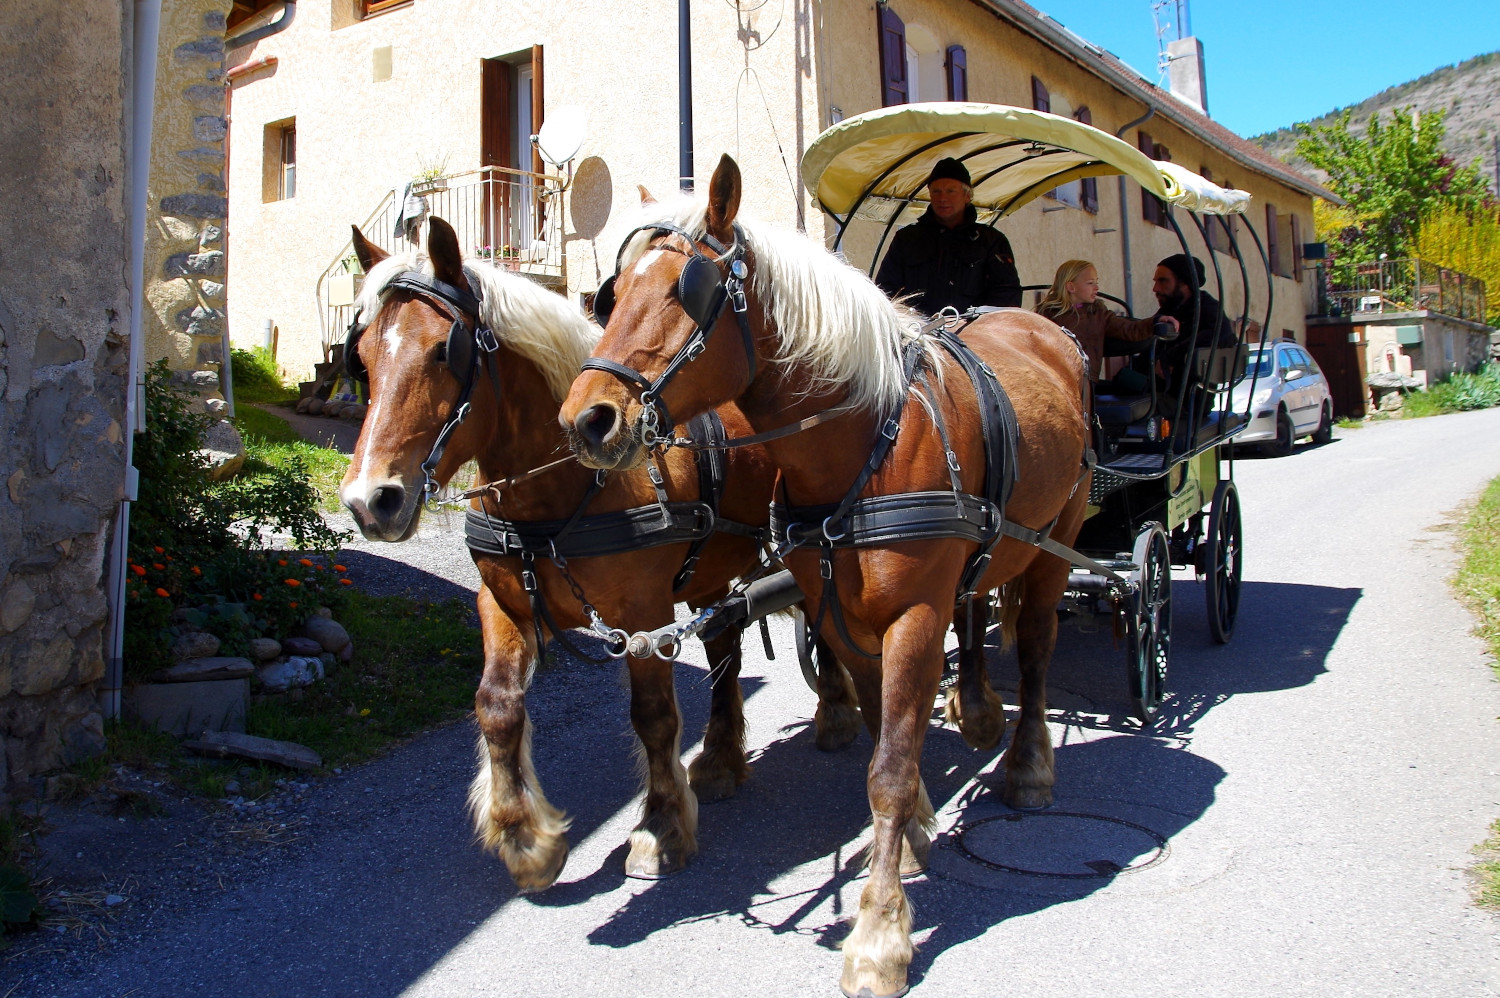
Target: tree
x,y
1467,241
1392,176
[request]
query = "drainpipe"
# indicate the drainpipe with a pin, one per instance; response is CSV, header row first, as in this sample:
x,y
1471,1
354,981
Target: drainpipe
x,y
1125,213
685,95
145,25
288,11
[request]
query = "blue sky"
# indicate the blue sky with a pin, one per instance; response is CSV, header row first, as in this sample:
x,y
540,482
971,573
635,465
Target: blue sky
x,y
1272,62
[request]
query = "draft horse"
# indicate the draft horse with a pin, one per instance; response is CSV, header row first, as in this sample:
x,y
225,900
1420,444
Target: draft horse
x,y
921,490
437,335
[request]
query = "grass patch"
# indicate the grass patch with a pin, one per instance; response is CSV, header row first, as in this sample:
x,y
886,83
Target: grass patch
x,y
270,442
257,378
1463,392
1347,423
416,665
1487,870
1478,585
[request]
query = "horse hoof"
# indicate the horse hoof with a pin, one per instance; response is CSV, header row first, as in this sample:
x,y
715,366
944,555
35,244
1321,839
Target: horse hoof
x,y
530,880
649,861
1027,798
833,739
870,984
712,787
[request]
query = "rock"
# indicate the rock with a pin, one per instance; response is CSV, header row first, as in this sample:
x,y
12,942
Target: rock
x,y
110,900
224,450
314,406
264,649
16,603
1391,379
303,403
346,654
332,408
291,672
195,670
301,646
323,611
223,744
354,411
232,787
184,709
327,632
195,644
216,407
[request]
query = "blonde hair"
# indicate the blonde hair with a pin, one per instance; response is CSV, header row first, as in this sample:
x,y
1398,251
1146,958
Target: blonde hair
x,y
1055,301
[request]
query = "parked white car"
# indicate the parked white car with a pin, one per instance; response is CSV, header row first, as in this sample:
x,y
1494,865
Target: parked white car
x,y
1290,400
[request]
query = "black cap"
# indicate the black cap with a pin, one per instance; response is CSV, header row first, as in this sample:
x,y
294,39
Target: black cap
x,y
950,169
1177,263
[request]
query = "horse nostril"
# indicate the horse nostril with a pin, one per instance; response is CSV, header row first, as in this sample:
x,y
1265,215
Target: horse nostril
x,y
597,423
387,501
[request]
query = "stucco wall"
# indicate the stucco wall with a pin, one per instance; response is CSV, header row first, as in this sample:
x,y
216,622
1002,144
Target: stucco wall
x,y
184,261
63,359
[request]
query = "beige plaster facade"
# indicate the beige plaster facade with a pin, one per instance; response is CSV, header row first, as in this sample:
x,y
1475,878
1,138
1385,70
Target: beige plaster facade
x,y
374,99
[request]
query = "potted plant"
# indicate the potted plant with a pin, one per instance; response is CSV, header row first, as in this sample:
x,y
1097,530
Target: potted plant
x,y
430,177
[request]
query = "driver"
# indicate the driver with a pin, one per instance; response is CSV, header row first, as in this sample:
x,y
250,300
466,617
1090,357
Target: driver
x,y
946,257
1173,286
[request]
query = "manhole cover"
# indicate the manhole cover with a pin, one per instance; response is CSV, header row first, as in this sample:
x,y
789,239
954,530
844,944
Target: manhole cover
x,y
1061,845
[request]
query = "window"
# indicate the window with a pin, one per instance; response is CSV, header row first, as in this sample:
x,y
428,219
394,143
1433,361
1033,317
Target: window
x,y
1040,98
956,69
1273,241
279,161
1153,208
1294,225
376,6
894,86
1216,225
1088,186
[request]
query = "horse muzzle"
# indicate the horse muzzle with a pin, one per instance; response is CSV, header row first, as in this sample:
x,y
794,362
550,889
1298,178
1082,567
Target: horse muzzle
x,y
383,511
603,437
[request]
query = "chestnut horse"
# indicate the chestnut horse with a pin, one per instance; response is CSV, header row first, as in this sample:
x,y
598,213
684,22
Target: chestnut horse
x,y
407,351
812,335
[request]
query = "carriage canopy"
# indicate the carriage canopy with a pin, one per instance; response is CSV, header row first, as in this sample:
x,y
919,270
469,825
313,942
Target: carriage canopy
x,y
883,157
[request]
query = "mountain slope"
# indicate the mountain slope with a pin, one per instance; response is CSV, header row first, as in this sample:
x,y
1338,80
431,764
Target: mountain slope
x,y
1469,90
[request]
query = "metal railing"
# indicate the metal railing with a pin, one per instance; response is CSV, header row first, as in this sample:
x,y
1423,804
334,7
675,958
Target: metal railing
x,y
1406,285
509,218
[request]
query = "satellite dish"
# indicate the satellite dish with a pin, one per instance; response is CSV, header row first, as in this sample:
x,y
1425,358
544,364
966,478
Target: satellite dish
x,y
562,135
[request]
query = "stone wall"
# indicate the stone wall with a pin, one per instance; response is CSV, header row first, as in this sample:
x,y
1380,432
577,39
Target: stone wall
x,y
186,193
64,312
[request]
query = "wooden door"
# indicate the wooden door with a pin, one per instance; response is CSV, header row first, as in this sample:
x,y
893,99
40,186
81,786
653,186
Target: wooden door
x,y
1343,365
494,148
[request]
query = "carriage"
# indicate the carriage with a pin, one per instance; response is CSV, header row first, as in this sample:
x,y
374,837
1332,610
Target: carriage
x,y
1162,492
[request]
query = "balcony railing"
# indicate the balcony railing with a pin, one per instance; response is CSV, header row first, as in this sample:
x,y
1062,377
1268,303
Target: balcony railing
x,y
1408,285
510,218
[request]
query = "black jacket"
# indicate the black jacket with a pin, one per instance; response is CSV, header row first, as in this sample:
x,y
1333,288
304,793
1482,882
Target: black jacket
x,y
967,265
1213,328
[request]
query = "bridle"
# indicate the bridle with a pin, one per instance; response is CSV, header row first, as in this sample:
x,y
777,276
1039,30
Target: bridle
x,y
702,292
465,352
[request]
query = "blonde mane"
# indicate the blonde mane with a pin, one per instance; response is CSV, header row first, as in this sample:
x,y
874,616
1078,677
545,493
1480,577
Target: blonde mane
x,y
541,326
831,320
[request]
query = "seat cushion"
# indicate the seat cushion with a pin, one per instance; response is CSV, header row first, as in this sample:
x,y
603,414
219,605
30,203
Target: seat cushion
x,y
1120,410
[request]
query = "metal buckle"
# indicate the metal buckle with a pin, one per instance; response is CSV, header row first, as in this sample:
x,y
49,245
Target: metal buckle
x,y
485,337
831,537
890,430
953,462
825,564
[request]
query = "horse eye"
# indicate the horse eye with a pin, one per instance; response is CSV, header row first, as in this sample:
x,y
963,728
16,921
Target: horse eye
x,y
440,353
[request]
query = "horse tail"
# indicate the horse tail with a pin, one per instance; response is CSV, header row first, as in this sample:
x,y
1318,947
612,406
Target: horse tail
x,y
1008,609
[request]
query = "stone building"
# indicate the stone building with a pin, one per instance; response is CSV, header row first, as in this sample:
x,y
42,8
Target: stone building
x,y
64,364
357,97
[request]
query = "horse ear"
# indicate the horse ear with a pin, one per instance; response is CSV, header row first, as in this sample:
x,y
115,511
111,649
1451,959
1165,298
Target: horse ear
x,y
646,196
442,250
724,199
365,251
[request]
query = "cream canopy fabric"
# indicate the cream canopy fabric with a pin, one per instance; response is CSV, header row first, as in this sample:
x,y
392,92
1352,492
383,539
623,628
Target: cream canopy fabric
x,y
1013,155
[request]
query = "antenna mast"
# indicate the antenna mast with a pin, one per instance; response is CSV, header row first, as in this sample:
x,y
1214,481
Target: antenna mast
x,y
1170,16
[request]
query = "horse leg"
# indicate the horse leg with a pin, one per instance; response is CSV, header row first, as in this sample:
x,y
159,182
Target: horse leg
x,y
972,704
1028,762
720,768
879,949
512,817
667,835
837,719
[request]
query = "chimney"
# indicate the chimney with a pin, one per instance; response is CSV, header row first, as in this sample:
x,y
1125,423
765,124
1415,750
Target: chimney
x,y
1185,72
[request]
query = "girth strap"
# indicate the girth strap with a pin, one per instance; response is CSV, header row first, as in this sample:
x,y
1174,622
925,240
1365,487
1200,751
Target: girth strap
x,y
881,520
590,536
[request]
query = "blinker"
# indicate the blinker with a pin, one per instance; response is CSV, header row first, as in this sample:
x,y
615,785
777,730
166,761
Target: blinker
x,y
604,301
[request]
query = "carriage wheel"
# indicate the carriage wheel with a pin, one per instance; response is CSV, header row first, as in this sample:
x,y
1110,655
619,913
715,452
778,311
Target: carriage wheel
x,y
1221,580
1149,628
803,638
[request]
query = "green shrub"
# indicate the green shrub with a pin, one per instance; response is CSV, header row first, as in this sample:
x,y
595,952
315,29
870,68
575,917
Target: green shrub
x,y
211,548
257,378
1462,392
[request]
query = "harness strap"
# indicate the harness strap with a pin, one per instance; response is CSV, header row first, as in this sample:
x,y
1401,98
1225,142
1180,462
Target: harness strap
x,y
712,472
540,614
590,536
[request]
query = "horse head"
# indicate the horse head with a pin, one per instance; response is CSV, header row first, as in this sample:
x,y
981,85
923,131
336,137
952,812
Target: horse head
x,y
414,341
678,336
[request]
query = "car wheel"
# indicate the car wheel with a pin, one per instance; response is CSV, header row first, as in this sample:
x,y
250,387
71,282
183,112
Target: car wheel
x,y
1286,435
1324,433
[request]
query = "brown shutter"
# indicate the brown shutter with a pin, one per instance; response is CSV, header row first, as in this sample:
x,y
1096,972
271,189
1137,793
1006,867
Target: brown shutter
x,y
1152,209
1273,240
1040,98
957,67
1089,187
494,114
538,106
893,84
1296,228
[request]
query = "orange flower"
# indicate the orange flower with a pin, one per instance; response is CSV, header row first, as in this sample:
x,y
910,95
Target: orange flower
x,y
158,566
293,604
340,568
138,569
162,593
256,597
305,561
318,567
197,570
346,582
159,549
281,561
294,583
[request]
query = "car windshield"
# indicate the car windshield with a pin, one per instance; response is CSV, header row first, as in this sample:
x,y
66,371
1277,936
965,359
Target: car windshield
x,y
1259,365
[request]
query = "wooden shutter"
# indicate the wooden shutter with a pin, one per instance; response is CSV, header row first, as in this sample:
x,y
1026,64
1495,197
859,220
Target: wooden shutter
x,y
1040,98
538,106
1089,186
1152,210
956,67
494,114
894,88
1273,240
1296,228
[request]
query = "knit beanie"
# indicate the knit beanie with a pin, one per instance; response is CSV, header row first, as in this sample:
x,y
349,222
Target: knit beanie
x,y
950,169
1177,263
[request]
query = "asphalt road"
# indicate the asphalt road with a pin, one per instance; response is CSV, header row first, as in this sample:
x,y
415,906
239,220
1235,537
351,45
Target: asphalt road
x,y
1299,823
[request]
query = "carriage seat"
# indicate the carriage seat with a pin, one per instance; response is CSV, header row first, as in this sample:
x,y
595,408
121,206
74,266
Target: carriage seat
x,y
1219,369
1121,410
